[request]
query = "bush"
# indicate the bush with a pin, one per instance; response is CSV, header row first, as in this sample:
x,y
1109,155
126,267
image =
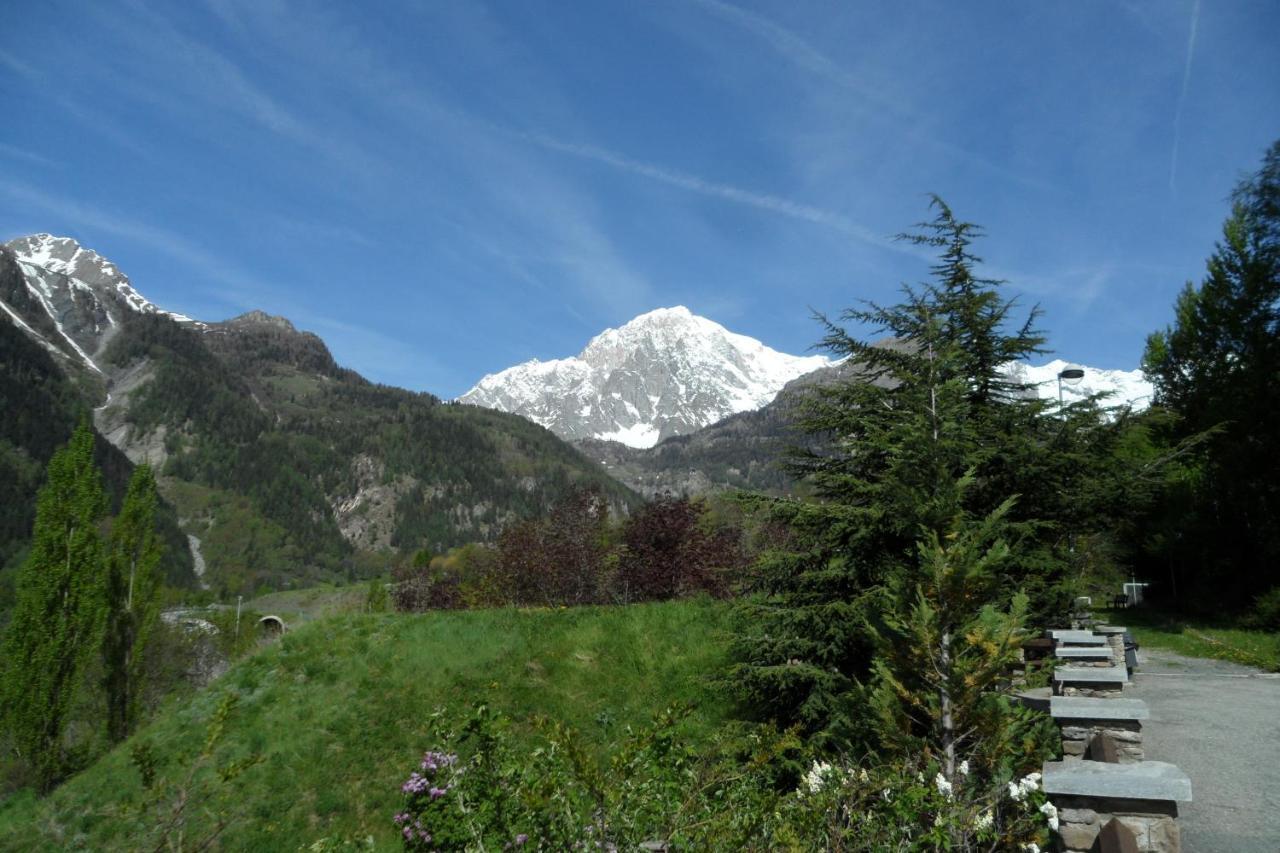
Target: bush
x,y
1266,611
482,789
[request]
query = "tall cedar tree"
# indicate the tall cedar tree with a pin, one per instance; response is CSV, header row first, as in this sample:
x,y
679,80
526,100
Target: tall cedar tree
x,y
1217,368
58,616
887,477
133,601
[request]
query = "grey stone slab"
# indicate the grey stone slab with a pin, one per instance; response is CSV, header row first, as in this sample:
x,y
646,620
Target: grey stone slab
x,y
1091,675
1146,780
1083,652
1077,638
1088,708
1109,629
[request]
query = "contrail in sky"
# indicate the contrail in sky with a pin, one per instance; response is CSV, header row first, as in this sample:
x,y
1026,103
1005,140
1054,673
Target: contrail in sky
x,y
693,183
1182,95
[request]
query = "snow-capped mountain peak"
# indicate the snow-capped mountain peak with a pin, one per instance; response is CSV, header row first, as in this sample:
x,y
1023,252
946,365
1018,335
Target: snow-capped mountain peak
x,y
69,298
667,372
64,256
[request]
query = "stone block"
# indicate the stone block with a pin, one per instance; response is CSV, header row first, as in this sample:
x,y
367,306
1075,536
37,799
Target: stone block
x,y
1150,780
1074,747
1077,836
1085,816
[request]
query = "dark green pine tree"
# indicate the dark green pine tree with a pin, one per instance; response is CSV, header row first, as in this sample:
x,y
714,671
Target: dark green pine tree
x,y
133,600
58,614
1217,367
925,411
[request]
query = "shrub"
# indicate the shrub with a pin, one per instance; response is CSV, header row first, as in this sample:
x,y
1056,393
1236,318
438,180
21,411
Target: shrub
x,y
482,788
1266,611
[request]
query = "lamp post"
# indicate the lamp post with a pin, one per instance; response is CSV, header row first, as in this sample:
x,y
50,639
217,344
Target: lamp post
x,y
1069,373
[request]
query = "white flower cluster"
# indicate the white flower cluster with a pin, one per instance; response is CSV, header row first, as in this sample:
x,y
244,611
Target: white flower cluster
x,y
985,821
1019,790
1050,811
944,787
1031,847
816,779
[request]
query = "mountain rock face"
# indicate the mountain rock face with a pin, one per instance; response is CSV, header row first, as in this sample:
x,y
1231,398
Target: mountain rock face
x,y
75,299
665,373
282,466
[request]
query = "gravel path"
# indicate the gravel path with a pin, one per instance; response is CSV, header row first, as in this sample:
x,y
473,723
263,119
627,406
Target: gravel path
x,y
1220,723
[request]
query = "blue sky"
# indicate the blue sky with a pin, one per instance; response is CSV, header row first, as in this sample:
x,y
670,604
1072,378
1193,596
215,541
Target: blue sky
x,y
443,189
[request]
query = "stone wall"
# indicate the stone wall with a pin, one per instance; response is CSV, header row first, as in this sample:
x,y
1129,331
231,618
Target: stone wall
x,y
1126,734
1153,824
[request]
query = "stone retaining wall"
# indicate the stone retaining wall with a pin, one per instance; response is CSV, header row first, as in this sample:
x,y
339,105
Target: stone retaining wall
x,y
1153,824
1126,734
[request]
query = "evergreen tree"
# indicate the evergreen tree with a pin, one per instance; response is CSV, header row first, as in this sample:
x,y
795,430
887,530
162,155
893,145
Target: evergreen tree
x,y
58,615
1217,369
133,599
928,410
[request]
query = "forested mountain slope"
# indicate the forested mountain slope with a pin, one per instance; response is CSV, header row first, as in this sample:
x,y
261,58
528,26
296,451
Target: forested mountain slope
x,y
284,466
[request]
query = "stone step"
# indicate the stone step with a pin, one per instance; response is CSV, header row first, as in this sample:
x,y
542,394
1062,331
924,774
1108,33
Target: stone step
x,y
1147,780
1090,708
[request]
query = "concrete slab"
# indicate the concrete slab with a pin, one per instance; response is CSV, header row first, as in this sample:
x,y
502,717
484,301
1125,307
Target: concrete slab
x,y
1091,675
1089,708
1077,638
1109,629
1083,652
1147,780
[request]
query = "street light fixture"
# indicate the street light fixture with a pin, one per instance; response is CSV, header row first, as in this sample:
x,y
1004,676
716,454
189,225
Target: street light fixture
x,y
1074,373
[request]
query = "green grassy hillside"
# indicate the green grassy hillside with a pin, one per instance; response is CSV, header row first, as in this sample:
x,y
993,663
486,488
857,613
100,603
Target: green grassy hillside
x,y
339,708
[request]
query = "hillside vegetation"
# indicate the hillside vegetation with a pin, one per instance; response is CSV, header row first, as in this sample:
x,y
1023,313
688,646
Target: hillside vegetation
x,y
339,710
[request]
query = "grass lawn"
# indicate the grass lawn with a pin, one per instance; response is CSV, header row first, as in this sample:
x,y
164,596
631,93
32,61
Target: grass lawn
x,y
339,708
1200,638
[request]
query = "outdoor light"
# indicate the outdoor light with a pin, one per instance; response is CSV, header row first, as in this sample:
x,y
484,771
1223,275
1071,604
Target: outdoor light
x,y
1070,373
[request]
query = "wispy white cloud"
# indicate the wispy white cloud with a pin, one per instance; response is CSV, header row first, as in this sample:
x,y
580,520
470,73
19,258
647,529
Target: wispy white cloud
x,y
802,53
683,180
23,154
1182,93
16,65
189,253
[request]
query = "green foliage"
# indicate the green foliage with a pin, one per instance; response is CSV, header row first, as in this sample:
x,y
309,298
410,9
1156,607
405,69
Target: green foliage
x,y
356,692
57,621
1215,370
377,600
133,601
481,789
927,427
945,654
188,803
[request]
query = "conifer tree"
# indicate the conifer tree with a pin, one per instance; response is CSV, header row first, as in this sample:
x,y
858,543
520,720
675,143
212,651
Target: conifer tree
x,y
57,621
1217,370
929,434
133,590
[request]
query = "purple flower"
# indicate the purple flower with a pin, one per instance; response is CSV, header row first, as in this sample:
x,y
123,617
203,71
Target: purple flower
x,y
415,784
402,817
437,793
521,839
408,834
